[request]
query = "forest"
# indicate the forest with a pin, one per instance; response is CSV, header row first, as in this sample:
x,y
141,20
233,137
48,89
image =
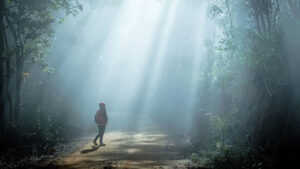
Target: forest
x,y
192,84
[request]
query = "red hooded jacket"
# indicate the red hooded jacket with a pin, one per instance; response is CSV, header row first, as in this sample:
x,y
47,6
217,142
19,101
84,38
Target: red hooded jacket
x,y
101,118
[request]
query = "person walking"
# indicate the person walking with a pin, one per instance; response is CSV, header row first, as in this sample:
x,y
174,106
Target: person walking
x,y
101,120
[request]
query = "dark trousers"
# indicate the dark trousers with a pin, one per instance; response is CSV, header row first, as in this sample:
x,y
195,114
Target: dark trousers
x,y
100,134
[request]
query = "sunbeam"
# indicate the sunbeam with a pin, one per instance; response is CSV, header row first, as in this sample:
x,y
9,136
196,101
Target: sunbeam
x,y
149,84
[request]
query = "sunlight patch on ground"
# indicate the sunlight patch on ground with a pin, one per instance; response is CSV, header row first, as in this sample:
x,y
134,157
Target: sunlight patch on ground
x,y
128,150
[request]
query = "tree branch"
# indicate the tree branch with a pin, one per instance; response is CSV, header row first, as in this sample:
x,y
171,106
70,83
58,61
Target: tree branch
x,y
229,13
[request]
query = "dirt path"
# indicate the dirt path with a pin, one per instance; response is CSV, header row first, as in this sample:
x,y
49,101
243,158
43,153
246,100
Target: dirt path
x,y
127,150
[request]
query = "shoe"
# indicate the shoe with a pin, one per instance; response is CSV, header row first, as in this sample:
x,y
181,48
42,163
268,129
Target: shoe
x,y
95,142
102,144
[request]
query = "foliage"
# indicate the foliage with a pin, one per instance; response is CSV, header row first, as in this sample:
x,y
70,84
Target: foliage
x,y
26,35
40,130
253,77
29,26
26,28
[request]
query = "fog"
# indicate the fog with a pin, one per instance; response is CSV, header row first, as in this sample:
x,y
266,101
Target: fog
x,y
186,83
140,58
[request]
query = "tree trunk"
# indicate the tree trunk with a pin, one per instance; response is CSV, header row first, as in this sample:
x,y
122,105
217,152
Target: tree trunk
x,y
9,105
2,104
2,101
19,64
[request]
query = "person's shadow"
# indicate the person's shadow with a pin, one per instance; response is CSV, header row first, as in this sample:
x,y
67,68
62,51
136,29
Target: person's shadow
x,y
93,148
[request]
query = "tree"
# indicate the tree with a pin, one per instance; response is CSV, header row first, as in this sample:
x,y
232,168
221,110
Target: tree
x,y
26,34
255,75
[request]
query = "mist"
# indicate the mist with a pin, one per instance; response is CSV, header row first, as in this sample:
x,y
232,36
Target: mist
x,y
178,84
140,58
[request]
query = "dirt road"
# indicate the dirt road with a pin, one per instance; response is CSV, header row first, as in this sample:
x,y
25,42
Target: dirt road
x,y
127,150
